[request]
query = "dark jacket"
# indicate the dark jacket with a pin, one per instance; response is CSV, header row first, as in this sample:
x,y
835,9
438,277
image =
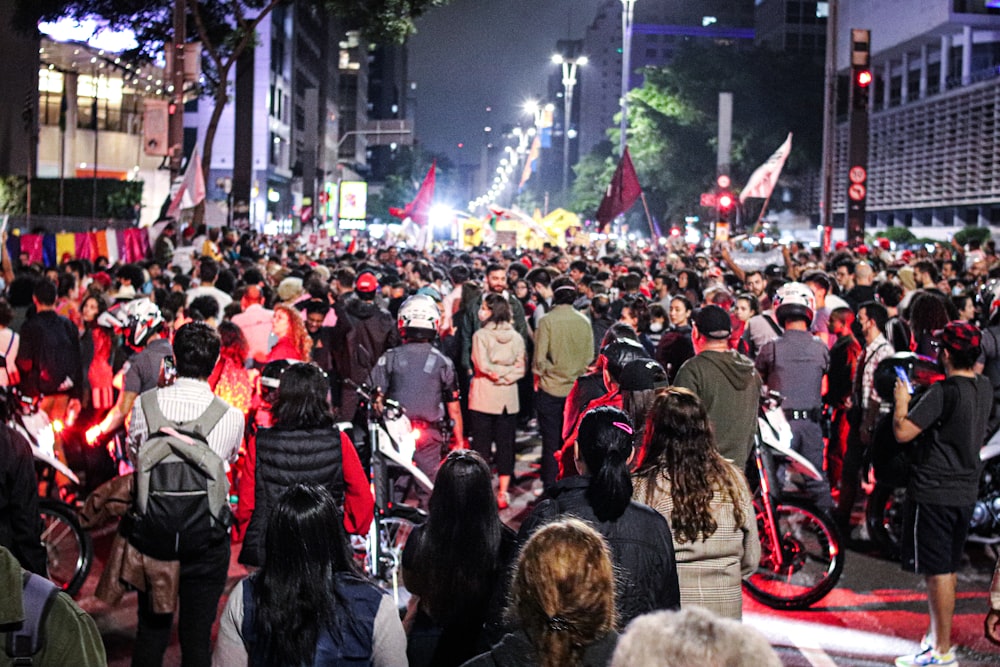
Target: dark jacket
x,y
49,355
20,522
516,650
675,347
285,458
641,547
363,332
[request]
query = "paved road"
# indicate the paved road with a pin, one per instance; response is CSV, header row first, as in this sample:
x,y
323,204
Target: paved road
x,y
876,613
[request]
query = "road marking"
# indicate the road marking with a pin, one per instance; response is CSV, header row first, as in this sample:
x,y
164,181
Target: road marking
x,y
812,651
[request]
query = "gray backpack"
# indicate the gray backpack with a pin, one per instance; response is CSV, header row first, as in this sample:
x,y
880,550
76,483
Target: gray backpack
x,y
181,501
24,643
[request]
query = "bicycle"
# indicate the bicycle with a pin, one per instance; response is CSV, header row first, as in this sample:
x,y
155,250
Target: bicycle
x,y
392,443
801,559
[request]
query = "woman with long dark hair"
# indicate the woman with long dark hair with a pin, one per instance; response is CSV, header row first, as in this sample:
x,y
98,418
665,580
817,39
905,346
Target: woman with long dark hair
x,y
704,497
304,446
562,602
601,494
456,564
498,360
675,345
308,605
97,348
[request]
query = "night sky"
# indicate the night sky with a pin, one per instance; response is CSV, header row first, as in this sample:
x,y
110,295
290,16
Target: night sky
x,y
474,54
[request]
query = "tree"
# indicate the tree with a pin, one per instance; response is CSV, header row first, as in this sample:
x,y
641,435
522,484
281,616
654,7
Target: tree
x,y
226,29
673,123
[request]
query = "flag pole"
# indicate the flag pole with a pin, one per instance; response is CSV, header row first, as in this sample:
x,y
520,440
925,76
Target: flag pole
x,y
763,209
649,218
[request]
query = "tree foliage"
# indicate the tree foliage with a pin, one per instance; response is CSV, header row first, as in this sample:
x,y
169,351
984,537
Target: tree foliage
x,y
673,125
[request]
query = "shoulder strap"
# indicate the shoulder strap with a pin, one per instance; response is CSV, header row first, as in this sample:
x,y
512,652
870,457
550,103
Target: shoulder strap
x,y
10,343
202,425
38,596
774,325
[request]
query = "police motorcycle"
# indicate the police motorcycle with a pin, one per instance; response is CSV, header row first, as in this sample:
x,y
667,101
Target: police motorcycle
x,y
801,559
884,507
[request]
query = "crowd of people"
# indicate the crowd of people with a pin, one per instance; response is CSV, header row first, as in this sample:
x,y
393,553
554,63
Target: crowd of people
x,y
640,368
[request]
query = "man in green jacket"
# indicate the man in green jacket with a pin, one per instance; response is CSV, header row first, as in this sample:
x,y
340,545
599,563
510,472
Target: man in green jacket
x,y
564,346
68,634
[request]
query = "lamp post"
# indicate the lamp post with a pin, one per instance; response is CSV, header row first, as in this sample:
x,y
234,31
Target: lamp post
x,y
569,66
628,7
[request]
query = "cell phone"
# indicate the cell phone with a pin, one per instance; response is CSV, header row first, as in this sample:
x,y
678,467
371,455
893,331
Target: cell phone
x,y
901,374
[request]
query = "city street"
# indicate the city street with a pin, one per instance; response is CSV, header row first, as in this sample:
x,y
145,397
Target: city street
x,y
877,612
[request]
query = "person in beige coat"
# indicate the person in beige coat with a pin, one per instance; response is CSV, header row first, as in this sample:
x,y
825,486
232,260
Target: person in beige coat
x,y
704,497
498,359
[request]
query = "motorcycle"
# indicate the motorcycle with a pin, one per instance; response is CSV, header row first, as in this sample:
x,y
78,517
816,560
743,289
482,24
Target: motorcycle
x,y
801,560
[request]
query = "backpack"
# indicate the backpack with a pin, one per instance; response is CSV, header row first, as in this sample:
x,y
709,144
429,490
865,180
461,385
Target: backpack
x,y
24,643
180,504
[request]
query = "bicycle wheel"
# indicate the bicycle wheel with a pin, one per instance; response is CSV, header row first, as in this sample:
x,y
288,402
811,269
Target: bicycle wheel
x,y
70,552
804,567
884,518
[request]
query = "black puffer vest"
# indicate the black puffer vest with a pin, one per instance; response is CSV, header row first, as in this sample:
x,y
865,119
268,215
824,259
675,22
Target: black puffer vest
x,y
286,458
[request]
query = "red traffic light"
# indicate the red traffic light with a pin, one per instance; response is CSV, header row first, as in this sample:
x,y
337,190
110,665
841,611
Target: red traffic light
x,y
864,78
725,201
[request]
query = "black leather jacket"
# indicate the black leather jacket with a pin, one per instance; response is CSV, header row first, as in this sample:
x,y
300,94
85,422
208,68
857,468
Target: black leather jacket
x,y
640,542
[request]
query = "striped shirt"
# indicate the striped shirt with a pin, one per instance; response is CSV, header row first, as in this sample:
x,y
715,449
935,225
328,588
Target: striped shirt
x,y
184,400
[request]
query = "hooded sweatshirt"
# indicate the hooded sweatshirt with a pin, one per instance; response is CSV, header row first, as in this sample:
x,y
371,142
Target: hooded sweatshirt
x,y
729,386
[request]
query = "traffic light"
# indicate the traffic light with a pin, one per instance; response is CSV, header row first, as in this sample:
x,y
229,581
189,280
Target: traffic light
x,y
862,81
724,200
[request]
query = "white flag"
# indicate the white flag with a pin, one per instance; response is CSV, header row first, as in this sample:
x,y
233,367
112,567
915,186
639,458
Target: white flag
x,y
765,177
192,189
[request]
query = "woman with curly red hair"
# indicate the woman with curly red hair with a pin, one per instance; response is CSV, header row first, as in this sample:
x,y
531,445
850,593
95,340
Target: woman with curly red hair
x,y
294,341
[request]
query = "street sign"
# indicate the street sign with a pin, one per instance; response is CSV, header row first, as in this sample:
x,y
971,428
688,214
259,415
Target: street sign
x,y
856,192
857,174
708,199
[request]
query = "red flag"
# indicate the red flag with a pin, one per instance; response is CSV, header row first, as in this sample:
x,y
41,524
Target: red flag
x,y
622,192
418,209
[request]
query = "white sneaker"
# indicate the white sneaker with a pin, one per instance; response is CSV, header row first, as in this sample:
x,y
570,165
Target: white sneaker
x,y
926,658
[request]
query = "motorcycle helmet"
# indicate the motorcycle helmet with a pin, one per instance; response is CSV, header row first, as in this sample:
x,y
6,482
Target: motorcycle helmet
x,y
794,300
136,320
419,313
270,378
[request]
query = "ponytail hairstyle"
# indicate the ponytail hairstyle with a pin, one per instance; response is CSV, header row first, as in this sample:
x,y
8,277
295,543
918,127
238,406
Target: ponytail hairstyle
x,y
605,444
563,592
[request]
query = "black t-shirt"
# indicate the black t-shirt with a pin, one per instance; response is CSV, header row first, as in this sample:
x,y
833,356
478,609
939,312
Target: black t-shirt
x,y
946,458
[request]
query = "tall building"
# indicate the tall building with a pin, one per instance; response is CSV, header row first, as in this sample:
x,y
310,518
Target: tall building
x,y
792,26
659,28
933,149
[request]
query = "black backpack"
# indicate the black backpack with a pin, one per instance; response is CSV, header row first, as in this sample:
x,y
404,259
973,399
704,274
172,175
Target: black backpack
x,y
180,504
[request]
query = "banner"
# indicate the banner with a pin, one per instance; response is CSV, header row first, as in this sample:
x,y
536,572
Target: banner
x,y
765,177
192,189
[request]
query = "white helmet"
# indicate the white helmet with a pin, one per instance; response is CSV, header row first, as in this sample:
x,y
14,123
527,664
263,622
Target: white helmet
x,y
794,300
419,312
137,320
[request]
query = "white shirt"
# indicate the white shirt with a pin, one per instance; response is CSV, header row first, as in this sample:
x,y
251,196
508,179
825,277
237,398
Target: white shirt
x,y
184,400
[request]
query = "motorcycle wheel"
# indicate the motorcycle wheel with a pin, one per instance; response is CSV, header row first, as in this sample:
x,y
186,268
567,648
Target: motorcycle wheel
x,y
68,548
884,518
394,530
804,567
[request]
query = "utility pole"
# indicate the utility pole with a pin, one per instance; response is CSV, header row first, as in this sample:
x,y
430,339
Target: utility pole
x,y
829,124
176,127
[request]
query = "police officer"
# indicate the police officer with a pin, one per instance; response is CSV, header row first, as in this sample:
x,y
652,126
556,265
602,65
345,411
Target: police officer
x,y
422,380
794,365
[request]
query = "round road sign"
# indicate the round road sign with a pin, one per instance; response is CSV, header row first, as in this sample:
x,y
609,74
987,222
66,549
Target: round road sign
x,y
857,175
856,192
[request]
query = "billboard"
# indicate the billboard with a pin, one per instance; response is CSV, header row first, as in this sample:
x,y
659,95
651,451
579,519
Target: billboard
x,y
353,200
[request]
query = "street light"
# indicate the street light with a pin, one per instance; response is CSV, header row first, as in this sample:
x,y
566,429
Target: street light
x,y
628,7
569,66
